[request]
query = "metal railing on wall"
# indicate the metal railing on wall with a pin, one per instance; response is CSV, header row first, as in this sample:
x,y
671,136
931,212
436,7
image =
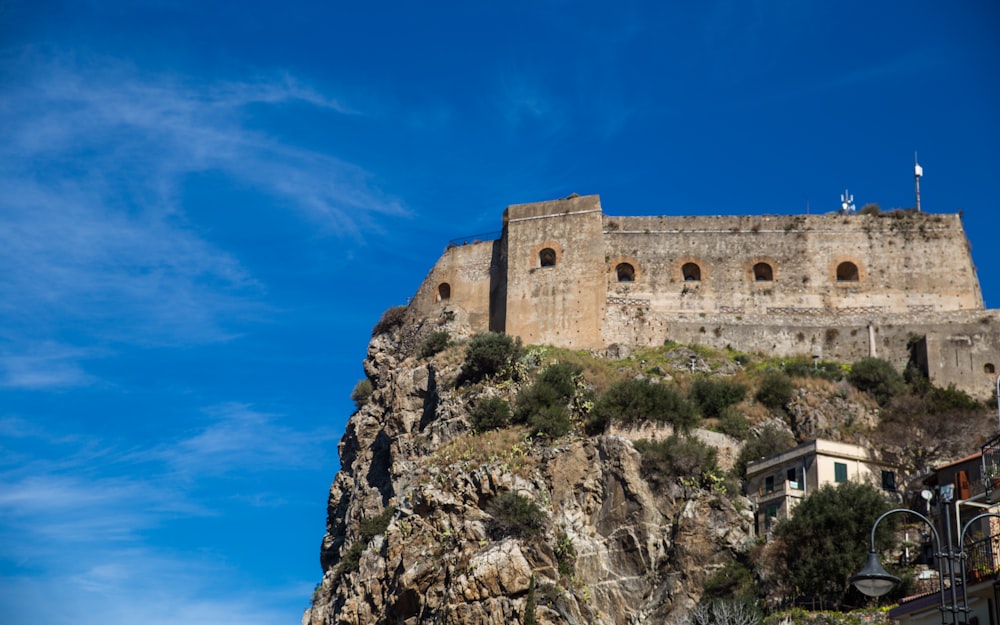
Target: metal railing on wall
x,y
475,238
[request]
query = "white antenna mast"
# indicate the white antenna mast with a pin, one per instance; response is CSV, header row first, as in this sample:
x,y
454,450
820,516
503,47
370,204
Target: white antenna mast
x,y
846,202
918,171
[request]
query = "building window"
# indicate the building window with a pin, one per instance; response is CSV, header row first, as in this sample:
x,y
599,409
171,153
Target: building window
x,y
770,515
839,472
762,272
547,257
444,291
768,484
691,272
625,272
889,481
989,368
793,479
847,272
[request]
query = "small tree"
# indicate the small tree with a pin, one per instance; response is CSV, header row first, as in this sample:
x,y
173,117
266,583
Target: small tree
x,y
826,540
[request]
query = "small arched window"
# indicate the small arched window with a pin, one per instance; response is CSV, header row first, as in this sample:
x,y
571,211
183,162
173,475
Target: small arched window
x,y
847,272
625,272
989,368
444,291
762,272
547,257
691,272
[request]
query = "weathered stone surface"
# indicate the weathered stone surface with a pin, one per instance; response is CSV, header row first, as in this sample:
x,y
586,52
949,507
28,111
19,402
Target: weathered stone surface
x,y
635,555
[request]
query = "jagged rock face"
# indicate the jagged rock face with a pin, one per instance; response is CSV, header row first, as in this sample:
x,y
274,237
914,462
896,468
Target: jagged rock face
x,y
610,549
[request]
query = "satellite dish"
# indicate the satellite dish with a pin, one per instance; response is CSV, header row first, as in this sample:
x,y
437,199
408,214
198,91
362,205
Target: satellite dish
x,y
926,494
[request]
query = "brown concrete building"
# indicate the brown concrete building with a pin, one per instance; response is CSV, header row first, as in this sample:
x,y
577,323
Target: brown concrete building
x,y
899,285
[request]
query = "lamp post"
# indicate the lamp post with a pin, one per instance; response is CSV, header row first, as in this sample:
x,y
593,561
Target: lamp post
x,y
874,581
998,400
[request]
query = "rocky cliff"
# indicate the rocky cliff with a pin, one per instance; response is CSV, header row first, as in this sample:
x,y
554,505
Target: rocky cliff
x,y
431,520
410,532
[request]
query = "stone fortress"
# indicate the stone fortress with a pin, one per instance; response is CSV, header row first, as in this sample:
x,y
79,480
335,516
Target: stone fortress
x,y
899,285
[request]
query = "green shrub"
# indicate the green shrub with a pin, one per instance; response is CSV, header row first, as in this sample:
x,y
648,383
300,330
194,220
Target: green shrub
x,y
637,401
434,343
368,529
876,377
550,422
767,442
491,354
733,581
677,457
362,393
543,404
491,413
514,516
734,423
391,319
807,368
775,390
951,399
714,395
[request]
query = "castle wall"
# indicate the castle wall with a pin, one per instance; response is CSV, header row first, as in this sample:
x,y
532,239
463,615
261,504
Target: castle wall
x,y
837,286
459,283
555,259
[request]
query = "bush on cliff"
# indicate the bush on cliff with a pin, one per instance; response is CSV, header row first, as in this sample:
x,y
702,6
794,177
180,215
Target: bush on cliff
x,y
491,413
878,378
775,390
636,401
543,405
514,516
714,395
679,457
491,354
362,393
368,529
769,441
392,319
434,343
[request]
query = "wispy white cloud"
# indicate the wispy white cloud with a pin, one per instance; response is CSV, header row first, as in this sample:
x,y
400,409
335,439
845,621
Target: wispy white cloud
x,y
78,516
43,366
239,438
95,237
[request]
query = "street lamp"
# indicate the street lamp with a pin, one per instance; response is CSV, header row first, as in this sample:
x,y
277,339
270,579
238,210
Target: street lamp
x,y
998,400
874,581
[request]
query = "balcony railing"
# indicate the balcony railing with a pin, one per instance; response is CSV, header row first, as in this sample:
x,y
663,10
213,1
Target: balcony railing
x,y
982,558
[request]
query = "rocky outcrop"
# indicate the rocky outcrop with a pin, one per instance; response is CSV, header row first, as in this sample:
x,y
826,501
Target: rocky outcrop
x,y
410,534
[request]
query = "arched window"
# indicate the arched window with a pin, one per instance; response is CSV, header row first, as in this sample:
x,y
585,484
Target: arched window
x,y
691,272
989,368
444,291
847,272
547,257
625,272
762,272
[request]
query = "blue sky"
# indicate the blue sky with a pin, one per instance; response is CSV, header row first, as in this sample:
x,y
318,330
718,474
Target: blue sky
x,y
204,207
